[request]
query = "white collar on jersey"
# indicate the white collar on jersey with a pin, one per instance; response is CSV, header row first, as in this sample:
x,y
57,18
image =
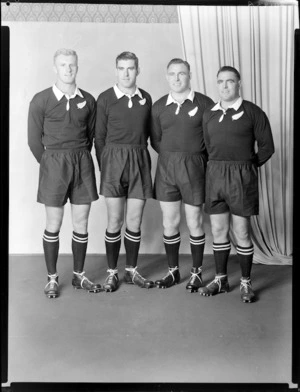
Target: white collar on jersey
x,y
235,106
172,100
59,94
120,93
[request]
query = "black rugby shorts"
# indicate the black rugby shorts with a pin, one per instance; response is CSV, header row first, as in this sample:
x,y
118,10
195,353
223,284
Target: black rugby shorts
x,y
67,174
180,176
126,171
232,186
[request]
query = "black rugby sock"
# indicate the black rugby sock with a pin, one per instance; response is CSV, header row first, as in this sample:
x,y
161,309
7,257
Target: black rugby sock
x,y
51,247
221,254
132,245
197,249
79,246
245,258
112,245
172,245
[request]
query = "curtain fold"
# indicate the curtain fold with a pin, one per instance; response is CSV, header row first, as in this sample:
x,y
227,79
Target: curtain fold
x,y
259,42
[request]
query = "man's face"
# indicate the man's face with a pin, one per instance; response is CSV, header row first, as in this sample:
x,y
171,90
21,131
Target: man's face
x,y
66,68
126,73
228,86
178,77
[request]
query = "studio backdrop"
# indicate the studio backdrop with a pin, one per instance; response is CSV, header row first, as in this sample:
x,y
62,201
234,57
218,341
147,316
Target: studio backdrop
x,y
259,41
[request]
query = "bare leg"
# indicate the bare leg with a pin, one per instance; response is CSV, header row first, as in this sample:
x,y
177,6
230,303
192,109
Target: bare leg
x,y
194,219
115,213
134,214
80,217
54,218
171,212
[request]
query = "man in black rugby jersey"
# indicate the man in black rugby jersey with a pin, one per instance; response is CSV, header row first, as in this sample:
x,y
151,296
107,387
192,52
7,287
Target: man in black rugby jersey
x,y
122,131
177,137
61,124
232,129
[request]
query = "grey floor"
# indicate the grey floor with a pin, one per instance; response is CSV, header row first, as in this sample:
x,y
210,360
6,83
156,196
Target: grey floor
x,y
151,336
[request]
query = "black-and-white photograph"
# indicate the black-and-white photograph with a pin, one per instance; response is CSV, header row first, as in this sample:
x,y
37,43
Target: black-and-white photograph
x,y
150,230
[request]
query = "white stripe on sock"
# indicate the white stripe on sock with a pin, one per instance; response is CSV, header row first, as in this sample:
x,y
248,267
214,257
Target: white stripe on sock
x,y
245,251
132,238
49,238
81,240
220,247
197,242
171,241
112,239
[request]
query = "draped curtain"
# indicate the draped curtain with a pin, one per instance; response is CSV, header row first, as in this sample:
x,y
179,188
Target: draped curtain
x,y
259,42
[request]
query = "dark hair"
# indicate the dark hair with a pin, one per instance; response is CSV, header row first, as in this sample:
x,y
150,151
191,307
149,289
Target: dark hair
x,y
128,56
230,69
179,61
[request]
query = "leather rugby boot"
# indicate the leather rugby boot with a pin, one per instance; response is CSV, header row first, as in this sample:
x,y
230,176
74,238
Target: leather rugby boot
x,y
80,281
247,294
218,285
133,277
112,281
51,288
172,278
195,281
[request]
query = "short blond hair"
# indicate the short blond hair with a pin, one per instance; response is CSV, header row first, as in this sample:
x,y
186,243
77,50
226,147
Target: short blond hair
x,y
65,52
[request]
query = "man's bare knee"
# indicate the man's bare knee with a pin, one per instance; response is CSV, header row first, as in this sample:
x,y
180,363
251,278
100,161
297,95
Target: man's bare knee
x,y
80,226
194,225
171,226
242,237
54,218
114,223
80,216
220,224
133,223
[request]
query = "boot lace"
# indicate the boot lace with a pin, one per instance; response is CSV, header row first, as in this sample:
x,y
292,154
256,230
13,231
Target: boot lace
x,y
195,275
137,275
170,272
53,284
246,285
83,278
111,276
217,281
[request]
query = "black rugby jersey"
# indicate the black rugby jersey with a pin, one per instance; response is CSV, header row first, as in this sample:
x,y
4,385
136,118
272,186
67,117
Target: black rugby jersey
x,y
58,124
118,123
238,135
179,127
